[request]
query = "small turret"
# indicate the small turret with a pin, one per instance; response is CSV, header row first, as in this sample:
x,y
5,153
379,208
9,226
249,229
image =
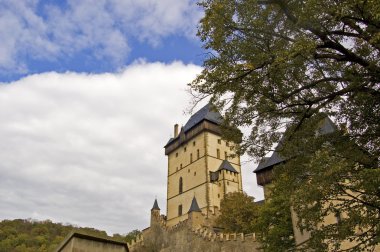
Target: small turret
x,y
195,214
154,213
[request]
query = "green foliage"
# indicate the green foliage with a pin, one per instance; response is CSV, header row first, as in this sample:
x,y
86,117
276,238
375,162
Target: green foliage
x,y
41,236
332,177
277,65
238,213
274,224
132,235
276,62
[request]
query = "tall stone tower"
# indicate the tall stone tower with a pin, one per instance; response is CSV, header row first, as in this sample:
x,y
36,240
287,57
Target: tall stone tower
x,y
200,166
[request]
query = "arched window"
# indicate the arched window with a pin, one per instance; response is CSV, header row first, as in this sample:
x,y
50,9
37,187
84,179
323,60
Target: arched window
x,y
180,185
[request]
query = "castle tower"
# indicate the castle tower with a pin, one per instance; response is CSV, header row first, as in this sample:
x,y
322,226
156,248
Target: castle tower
x,y
154,213
200,165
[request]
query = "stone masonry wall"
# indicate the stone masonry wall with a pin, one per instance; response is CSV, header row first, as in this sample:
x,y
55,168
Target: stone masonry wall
x,y
182,238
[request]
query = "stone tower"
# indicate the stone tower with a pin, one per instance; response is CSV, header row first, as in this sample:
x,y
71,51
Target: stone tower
x,y
200,166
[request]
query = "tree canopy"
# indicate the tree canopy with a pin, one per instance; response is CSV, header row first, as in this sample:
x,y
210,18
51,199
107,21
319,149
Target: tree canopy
x,y
275,62
238,213
288,64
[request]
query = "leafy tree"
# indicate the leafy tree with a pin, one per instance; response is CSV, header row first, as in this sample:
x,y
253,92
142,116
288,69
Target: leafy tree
x,y
132,235
275,61
238,213
274,224
277,64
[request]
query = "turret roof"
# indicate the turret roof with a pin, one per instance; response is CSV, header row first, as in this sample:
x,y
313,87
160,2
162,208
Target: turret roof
x,y
194,206
155,205
227,166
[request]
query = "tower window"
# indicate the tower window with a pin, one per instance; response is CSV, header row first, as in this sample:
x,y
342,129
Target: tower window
x,y
219,141
184,149
180,166
176,155
194,143
179,210
195,173
225,155
217,153
198,154
227,144
180,185
191,157
188,170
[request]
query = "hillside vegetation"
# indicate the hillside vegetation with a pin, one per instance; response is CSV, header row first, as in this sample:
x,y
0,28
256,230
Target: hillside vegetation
x,y
40,236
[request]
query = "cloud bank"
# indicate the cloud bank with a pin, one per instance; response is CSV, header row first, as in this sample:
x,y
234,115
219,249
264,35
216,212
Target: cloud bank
x,y
57,30
88,148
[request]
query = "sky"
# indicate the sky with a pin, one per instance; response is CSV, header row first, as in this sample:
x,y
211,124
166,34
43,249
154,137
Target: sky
x,y
89,93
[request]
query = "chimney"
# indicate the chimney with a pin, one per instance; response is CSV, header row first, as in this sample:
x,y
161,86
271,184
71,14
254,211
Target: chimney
x,y
175,130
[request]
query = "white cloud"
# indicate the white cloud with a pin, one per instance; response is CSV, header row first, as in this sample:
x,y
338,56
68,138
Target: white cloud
x,y
88,149
36,30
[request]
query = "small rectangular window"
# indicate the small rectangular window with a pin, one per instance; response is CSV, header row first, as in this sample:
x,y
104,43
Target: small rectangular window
x,y
219,141
179,210
180,166
225,155
184,149
194,143
217,153
176,155
191,157
198,154
227,144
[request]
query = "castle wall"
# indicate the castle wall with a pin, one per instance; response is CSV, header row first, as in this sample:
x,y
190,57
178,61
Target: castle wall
x,y
182,238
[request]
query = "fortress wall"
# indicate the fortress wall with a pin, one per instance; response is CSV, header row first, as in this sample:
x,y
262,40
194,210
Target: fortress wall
x,y
181,238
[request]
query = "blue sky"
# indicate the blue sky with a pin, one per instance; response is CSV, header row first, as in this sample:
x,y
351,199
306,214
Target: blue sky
x,y
95,36
89,93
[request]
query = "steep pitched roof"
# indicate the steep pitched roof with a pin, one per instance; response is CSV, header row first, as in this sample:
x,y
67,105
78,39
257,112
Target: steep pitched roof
x,y
205,113
326,126
194,206
227,166
155,205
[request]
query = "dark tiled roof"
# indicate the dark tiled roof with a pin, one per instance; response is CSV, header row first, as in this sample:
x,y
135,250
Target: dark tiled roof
x,y
326,126
155,205
205,113
272,160
194,206
227,166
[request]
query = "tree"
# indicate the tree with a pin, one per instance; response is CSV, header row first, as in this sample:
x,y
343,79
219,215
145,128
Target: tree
x,y
132,235
275,62
273,226
287,64
238,213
